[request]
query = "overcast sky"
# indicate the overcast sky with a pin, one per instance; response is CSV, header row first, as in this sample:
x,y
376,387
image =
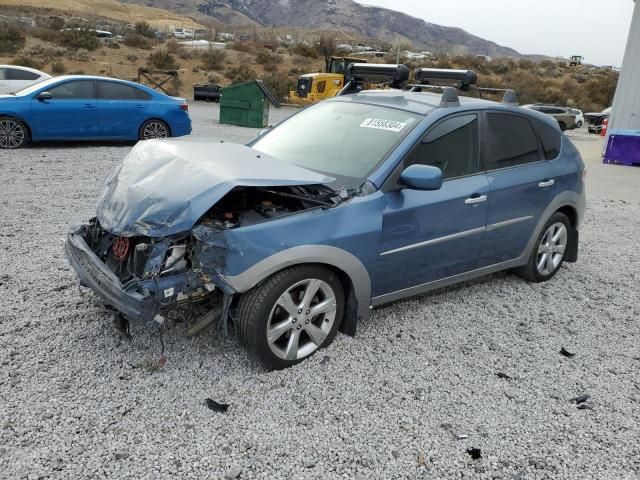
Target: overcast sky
x,y
596,29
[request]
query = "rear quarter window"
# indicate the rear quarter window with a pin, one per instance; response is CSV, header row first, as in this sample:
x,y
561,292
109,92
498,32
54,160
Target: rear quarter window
x,y
550,137
15,74
510,141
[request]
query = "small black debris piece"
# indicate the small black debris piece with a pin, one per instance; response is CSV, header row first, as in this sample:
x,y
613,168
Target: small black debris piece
x,y
399,335
122,325
474,453
503,376
566,353
580,399
215,406
585,406
325,360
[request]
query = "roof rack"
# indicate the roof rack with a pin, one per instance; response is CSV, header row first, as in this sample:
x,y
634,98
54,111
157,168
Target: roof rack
x,y
361,73
462,79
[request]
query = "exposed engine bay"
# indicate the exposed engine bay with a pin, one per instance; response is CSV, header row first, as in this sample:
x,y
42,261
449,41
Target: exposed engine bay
x,y
186,267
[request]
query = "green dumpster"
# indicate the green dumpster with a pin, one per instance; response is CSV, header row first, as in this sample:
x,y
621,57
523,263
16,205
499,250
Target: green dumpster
x,y
247,104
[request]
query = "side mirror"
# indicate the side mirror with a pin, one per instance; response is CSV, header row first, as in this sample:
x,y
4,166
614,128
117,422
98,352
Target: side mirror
x,y
421,177
42,96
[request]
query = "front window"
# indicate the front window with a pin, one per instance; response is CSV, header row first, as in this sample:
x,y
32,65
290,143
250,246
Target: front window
x,y
343,140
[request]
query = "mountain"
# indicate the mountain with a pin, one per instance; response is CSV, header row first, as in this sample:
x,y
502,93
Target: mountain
x,y
340,15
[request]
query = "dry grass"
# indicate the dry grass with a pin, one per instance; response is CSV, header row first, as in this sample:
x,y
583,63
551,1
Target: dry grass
x,y
111,9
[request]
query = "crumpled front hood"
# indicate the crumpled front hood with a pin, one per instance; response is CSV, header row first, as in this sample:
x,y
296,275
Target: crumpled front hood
x,y
164,186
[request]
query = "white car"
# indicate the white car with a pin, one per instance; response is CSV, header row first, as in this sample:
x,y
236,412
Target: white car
x,y
579,117
14,78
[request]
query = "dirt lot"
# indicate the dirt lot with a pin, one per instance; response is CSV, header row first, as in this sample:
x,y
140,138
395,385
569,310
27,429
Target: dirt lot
x,y
406,398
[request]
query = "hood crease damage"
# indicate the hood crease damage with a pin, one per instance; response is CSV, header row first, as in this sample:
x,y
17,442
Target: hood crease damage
x,y
164,187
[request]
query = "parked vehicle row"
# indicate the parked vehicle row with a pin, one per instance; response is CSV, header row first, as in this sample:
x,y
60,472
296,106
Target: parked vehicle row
x,y
567,118
79,107
596,120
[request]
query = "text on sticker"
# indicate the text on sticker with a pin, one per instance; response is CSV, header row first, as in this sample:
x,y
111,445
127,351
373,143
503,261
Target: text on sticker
x,y
380,124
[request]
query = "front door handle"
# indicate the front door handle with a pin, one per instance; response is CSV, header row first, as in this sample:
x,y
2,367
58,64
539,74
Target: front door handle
x,y
476,200
88,106
547,184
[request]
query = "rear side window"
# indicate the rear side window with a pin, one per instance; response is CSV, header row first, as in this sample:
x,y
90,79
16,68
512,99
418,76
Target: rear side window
x,y
121,91
16,74
79,89
510,141
550,137
3,74
452,146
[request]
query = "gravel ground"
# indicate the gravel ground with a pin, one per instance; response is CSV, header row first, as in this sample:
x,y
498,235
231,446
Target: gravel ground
x,y
406,398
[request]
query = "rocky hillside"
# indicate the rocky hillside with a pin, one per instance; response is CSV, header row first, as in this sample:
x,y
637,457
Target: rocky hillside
x,y
340,15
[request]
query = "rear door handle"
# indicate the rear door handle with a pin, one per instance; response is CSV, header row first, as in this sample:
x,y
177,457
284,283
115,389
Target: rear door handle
x,y
547,184
476,200
88,106
141,107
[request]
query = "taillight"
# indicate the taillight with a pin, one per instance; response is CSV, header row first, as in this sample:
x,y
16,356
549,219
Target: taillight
x,y
184,107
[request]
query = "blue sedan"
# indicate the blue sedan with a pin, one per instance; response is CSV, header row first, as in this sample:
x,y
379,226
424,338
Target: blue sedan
x,y
80,107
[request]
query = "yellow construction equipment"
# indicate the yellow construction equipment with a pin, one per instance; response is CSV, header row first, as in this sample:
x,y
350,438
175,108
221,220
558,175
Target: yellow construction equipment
x,y
314,87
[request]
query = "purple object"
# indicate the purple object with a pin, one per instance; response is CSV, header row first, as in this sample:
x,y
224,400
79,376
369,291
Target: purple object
x,y
623,147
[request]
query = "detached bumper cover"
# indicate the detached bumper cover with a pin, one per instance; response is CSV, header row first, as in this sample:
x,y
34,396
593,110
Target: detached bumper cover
x,y
95,275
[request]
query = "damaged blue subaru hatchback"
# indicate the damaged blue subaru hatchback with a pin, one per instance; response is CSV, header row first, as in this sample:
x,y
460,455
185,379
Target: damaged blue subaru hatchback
x,y
355,202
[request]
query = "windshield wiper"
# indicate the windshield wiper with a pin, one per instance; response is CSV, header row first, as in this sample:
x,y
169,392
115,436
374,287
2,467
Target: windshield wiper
x,y
298,197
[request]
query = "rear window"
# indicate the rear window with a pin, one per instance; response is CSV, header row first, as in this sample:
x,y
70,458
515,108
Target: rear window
x,y
550,137
510,141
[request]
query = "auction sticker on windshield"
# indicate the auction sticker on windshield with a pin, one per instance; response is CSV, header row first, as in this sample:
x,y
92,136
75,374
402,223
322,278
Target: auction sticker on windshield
x,y
389,125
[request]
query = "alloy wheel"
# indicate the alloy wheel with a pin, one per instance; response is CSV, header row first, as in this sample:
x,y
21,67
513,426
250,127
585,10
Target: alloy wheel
x,y
12,134
155,130
301,319
552,248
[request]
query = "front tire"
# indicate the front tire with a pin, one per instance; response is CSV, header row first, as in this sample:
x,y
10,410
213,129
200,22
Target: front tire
x,y
563,126
549,251
291,315
13,133
154,128
580,124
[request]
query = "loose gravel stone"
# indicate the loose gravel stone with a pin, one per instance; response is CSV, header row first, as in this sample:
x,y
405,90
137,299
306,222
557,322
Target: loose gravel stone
x,y
73,395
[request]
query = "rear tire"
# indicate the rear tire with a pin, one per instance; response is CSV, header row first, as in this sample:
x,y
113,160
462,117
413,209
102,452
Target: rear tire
x,y
580,124
291,315
563,126
154,128
13,133
549,251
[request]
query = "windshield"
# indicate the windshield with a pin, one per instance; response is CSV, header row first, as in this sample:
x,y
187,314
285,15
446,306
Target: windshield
x,y
343,140
37,86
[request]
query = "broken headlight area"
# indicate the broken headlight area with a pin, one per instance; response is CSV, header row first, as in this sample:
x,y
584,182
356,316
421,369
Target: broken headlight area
x,y
159,270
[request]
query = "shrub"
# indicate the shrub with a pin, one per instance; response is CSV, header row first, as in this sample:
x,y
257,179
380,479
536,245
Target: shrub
x,y
24,61
45,54
279,84
46,34
213,59
326,45
247,47
305,51
144,29
12,38
241,73
214,78
58,68
135,40
172,46
265,57
79,38
163,60
80,55
132,58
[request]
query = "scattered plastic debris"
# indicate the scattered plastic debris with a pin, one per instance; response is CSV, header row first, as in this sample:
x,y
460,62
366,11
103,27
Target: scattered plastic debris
x,y
580,399
215,406
462,436
324,360
566,353
475,453
503,376
585,406
422,461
